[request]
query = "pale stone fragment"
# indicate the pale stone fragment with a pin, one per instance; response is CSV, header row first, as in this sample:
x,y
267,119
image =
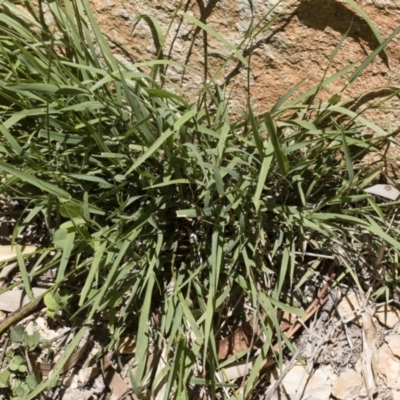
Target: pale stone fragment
x,y
347,385
299,384
319,385
13,300
9,252
393,342
348,306
77,394
388,315
388,367
395,395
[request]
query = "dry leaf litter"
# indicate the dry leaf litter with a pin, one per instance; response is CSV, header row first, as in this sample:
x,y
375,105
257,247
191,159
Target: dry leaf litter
x,y
353,355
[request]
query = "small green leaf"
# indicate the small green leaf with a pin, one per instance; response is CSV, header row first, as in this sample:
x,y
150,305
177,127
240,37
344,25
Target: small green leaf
x,y
335,99
60,237
32,341
71,209
4,378
13,367
31,381
51,301
18,360
22,368
17,334
20,391
16,363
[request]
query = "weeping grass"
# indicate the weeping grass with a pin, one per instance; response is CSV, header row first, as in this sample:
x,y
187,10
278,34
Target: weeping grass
x,y
170,219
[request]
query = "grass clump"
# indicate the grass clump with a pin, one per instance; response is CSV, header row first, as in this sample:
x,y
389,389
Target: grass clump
x,y
175,221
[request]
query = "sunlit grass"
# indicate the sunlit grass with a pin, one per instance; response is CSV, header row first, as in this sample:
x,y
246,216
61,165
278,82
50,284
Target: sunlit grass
x,y
158,207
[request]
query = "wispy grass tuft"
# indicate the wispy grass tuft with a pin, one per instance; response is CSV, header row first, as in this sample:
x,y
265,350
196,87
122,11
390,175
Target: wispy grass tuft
x,y
175,221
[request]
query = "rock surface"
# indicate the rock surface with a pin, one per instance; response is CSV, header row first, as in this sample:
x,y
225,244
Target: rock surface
x,y
297,44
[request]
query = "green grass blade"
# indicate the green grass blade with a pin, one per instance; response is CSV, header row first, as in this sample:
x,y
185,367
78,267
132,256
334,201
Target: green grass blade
x,y
10,139
280,156
369,59
143,328
367,19
94,269
66,254
40,184
265,167
164,136
218,36
24,274
255,131
347,157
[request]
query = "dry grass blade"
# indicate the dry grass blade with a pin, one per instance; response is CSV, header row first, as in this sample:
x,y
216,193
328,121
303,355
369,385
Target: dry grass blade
x,y
113,380
370,352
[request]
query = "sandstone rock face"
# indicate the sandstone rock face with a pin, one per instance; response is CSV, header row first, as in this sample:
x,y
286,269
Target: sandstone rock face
x,y
296,45
300,38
